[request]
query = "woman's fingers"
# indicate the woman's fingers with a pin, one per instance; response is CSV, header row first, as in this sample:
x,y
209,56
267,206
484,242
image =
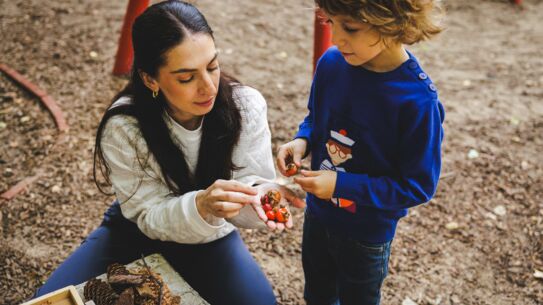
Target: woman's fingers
x,y
236,197
260,211
271,224
226,209
236,186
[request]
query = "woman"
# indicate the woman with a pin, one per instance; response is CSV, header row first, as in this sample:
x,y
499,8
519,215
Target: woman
x,y
187,152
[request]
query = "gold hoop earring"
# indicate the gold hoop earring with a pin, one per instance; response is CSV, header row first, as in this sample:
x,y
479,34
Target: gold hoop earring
x,y
155,94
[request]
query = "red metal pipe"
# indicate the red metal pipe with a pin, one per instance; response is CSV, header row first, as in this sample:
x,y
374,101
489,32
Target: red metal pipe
x,y
323,38
125,53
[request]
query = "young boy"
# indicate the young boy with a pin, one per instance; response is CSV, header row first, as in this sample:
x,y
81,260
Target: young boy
x,y
374,131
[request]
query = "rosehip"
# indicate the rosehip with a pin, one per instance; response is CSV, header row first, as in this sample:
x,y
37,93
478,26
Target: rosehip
x,y
270,214
264,200
274,197
281,215
292,169
267,207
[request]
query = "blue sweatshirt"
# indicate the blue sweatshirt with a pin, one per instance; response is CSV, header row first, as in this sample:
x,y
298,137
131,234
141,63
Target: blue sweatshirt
x,y
381,133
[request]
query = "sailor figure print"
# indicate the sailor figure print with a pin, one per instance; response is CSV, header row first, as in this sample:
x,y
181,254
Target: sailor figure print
x,y
339,148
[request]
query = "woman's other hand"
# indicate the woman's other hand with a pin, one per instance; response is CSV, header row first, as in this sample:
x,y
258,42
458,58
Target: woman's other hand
x,y
224,198
287,198
292,151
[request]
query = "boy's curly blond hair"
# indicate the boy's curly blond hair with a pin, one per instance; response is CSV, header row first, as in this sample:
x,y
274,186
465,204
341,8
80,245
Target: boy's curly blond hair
x,y
404,21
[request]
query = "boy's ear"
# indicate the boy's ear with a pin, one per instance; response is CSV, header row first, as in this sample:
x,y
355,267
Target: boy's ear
x,y
148,81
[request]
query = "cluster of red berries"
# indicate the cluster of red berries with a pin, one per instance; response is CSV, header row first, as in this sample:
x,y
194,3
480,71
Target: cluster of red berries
x,y
274,210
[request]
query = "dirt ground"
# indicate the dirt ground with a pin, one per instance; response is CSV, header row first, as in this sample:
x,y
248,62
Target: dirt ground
x,y
479,241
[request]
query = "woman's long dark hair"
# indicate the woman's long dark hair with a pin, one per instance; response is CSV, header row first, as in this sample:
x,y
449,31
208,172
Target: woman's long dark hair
x,y
160,28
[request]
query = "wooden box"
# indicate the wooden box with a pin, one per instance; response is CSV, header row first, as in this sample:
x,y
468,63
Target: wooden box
x,y
64,296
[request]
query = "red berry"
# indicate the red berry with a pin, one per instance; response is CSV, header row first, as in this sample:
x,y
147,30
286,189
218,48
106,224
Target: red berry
x,y
270,214
267,207
282,215
292,169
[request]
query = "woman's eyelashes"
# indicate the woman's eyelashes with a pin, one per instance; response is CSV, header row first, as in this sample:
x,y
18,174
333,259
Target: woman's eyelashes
x,y
188,80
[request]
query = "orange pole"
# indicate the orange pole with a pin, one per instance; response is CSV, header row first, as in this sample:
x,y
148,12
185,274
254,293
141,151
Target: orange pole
x,y
125,53
323,38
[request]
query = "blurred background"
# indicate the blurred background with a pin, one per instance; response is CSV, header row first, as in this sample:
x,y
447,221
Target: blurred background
x,y
479,241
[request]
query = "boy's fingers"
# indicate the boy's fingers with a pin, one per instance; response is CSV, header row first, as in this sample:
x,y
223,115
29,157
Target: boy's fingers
x,y
307,173
303,181
281,156
280,227
297,159
292,198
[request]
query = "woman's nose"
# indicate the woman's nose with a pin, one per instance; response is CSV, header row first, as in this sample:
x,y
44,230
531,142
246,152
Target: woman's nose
x,y
207,87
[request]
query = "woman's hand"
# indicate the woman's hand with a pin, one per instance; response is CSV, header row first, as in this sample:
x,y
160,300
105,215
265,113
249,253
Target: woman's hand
x,y
224,198
292,151
287,198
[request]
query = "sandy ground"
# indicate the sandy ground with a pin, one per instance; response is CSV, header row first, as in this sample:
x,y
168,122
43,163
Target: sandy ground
x,y
479,241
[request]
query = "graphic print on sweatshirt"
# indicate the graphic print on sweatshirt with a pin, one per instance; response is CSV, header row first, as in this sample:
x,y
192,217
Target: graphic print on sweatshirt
x,y
339,148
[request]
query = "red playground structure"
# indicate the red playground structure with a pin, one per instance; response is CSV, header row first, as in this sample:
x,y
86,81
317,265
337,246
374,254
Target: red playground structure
x,y
125,54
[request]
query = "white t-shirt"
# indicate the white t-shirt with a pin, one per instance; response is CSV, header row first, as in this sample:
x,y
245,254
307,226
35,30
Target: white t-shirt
x,y
144,196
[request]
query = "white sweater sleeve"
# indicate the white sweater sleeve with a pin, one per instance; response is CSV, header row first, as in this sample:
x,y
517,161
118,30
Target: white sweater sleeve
x,y
144,197
253,153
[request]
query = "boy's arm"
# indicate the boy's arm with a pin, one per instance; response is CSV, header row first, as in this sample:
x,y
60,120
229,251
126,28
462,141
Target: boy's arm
x,y
306,127
419,165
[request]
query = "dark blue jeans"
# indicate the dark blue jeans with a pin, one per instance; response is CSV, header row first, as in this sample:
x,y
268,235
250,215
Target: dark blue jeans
x,y
340,270
222,271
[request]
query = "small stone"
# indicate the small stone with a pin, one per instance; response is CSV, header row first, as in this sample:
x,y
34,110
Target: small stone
x,y
452,226
491,216
93,54
500,210
514,121
25,119
538,274
472,154
524,164
466,83
3,125
56,189
408,301
282,55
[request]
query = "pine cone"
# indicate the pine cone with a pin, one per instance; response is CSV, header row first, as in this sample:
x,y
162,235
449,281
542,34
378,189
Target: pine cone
x,y
100,292
127,297
115,269
121,278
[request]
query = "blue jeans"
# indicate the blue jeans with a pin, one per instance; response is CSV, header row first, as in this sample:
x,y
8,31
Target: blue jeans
x,y
340,270
222,271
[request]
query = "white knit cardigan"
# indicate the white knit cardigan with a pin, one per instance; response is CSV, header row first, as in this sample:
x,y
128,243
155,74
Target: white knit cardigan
x,y
146,200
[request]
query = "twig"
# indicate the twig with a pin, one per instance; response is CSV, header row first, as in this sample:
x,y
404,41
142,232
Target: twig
x,y
160,285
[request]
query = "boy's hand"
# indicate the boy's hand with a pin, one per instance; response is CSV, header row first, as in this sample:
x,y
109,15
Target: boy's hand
x,y
292,151
319,183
